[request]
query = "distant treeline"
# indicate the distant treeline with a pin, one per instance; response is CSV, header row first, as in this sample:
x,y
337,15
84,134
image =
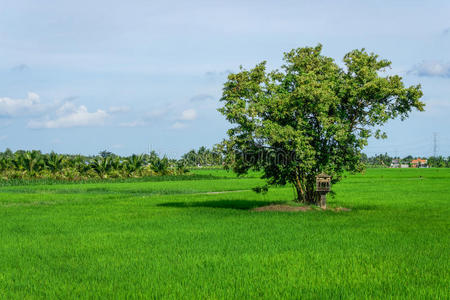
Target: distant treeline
x,y
213,157
34,164
203,157
384,160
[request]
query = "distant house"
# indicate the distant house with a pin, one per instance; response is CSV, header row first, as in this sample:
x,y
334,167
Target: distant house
x,y
395,163
419,163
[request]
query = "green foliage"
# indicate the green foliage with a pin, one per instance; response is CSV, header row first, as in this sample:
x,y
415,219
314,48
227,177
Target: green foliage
x,y
261,189
381,160
35,165
313,114
106,153
181,166
160,165
134,163
439,162
30,161
203,157
54,162
101,165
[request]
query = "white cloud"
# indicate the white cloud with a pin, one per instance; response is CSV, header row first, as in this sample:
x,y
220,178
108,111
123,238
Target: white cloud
x,y
432,69
159,112
218,74
437,106
132,124
178,125
3,137
72,116
16,107
119,109
155,115
201,97
188,115
59,114
66,108
167,113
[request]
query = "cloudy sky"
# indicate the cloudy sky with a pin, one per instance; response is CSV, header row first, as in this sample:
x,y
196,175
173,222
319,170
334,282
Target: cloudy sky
x,y
129,76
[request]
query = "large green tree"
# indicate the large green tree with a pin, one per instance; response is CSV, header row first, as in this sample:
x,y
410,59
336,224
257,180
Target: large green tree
x,y
312,116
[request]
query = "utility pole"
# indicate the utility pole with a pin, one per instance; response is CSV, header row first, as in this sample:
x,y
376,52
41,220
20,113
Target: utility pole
x,y
435,143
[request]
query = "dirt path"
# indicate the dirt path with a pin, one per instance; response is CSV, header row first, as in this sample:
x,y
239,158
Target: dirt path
x,y
221,192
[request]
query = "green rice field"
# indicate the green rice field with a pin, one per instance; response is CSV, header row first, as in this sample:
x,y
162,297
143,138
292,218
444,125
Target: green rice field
x,y
197,236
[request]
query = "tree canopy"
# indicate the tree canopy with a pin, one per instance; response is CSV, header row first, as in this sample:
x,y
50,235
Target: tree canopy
x,y
312,116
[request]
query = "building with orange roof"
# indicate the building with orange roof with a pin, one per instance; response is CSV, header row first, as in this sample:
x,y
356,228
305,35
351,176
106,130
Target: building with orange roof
x,y
419,163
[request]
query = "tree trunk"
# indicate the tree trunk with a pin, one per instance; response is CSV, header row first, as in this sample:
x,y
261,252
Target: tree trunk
x,y
306,192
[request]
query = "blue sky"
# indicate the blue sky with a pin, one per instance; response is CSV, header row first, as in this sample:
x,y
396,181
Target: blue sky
x,y
129,76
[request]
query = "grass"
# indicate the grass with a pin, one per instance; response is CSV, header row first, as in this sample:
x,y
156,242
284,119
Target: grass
x,y
175,239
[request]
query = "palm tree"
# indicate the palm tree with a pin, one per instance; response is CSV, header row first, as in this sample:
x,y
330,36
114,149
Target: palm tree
x,y
101,165
134,163
54,162
5,163
80,163
31,161
190,158
160,165
116,163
